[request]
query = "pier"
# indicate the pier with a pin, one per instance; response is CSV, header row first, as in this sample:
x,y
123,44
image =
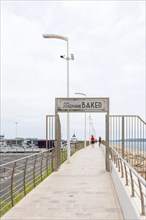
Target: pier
x,y
81,189
96,182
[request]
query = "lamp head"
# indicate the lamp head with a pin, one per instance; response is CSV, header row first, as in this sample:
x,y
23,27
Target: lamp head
x,y
55,36
62,56
72,56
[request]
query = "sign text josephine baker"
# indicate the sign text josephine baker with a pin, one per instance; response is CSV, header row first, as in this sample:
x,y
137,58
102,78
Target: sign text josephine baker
x,y
82,104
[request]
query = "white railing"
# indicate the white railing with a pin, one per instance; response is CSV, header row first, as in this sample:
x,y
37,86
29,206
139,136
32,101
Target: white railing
x,y
128,137
132,178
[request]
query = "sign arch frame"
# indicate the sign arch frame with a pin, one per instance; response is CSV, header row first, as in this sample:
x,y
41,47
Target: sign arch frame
x,y
93,104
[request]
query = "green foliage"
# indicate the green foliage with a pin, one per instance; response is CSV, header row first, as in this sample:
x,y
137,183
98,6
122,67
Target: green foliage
x,y
4,207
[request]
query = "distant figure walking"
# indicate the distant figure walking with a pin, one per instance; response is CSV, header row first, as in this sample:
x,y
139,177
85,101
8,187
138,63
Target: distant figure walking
x,y
99,140
92,140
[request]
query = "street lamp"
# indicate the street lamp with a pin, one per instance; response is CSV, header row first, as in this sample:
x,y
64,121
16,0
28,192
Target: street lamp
x,y
16,131
60,37
79,93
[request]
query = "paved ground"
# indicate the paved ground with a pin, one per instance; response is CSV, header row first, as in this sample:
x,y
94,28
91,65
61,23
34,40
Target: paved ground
x,y
79,190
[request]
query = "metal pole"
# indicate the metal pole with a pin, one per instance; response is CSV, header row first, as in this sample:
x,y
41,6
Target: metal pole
x,y
68,118
123,126
89,127
89,131
46,132
107,139
85,132
107,142
78,93
56,36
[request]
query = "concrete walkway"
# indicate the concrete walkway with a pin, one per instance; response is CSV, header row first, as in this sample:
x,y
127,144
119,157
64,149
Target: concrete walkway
x,y
79,190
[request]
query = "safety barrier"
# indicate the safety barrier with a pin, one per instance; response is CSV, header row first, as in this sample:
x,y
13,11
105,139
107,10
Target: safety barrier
x,y
131,178
128,137
19,177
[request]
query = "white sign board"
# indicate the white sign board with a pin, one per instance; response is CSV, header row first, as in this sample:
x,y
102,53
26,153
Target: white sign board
x,y
82,104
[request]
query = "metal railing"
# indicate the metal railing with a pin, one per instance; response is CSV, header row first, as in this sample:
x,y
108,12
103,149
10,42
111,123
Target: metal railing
x,y
53,132
50,130
128,137
19,177
132,179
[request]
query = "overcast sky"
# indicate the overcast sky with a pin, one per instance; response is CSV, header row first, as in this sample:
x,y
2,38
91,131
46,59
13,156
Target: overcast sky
x,y
107,39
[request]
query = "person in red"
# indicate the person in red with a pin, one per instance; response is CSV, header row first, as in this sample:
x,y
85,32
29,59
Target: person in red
x,y
92,140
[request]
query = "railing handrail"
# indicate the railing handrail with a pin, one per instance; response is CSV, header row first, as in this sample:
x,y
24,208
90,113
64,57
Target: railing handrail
x,y
32,155
23,174
132,177
128,165
131,131
142,120
129,116
124,115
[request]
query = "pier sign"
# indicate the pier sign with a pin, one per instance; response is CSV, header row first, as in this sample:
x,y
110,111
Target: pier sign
x,y
82,104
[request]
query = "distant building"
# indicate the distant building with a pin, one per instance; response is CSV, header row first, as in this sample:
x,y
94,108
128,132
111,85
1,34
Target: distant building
x,y
42,143
2,137
19,141
31,141
73,139
2,140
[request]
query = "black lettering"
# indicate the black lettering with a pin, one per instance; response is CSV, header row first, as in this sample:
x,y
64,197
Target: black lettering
x,y
96,104
88,105
66,105
99,104
92,104
83,104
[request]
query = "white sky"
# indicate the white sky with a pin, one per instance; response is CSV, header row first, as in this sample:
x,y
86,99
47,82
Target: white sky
x,y
107,39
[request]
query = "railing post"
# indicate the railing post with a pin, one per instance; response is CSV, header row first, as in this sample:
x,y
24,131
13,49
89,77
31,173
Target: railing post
x,y
126,175
34,171
116,160
12,184
47,161
141,199
132,184
122,173
52,160
119,165
59,141
56,142
47,132
41,170
107,143
123,153
114,157
24,178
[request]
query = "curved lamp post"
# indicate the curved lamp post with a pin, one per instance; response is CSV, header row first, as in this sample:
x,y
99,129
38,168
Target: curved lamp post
x,y
60,37
79,93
